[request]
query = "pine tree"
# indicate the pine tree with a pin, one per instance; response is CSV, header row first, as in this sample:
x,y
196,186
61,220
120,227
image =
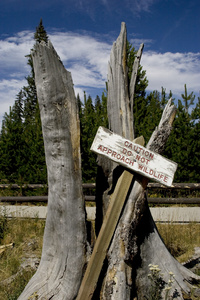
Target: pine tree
x,y
104,109
13,152
195,143
140,101
153,111
91,117
88,125
21,137
41,34
165,97
179,146
100,107
187,99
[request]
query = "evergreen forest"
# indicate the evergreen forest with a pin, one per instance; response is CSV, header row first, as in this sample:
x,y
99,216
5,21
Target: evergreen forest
x,y
21,142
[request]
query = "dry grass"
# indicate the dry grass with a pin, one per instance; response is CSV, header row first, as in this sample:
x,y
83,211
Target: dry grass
x,y
27,236
180,239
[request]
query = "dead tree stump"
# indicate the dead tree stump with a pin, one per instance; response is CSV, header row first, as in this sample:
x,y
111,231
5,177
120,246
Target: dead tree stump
x,y
136,243
64,246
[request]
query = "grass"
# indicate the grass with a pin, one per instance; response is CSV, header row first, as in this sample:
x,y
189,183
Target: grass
x,y
13,290
27,236
180,239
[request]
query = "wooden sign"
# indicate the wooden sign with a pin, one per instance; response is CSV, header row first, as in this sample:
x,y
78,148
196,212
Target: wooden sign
x,y
111,219
134,156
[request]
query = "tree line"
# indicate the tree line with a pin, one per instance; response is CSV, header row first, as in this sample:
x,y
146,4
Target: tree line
x,y
21,141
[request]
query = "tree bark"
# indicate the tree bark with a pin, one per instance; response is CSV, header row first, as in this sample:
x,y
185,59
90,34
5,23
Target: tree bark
x,y
136,242
119,104
120,115
64,247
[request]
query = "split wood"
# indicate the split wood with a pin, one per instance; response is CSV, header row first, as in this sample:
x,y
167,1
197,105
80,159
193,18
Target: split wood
x,y
112,216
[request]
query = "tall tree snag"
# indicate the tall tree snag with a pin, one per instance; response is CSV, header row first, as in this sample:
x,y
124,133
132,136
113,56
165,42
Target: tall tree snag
x,y
136,242
63,255
120,115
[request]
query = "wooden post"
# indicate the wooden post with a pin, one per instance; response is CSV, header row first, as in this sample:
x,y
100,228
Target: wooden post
x,y
107,230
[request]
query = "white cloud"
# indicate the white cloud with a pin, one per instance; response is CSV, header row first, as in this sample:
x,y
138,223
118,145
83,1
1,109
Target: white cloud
x,y
86,57
13,51
172,71
136,42
142,5
8,91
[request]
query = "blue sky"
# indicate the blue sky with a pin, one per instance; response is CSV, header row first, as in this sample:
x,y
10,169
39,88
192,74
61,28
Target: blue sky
x,y
83,31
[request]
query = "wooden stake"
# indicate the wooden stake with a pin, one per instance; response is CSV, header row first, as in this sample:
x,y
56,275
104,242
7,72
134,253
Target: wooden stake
x,y
112,216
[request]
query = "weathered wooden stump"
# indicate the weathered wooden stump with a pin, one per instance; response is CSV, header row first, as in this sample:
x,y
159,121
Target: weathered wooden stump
x,y
64,246
136,242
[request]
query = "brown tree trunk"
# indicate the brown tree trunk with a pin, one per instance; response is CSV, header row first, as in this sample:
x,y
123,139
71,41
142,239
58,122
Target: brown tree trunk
x,y
63,256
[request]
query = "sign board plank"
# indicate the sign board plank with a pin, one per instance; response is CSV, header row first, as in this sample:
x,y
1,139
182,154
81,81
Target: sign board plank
x,y
111,218
134,157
